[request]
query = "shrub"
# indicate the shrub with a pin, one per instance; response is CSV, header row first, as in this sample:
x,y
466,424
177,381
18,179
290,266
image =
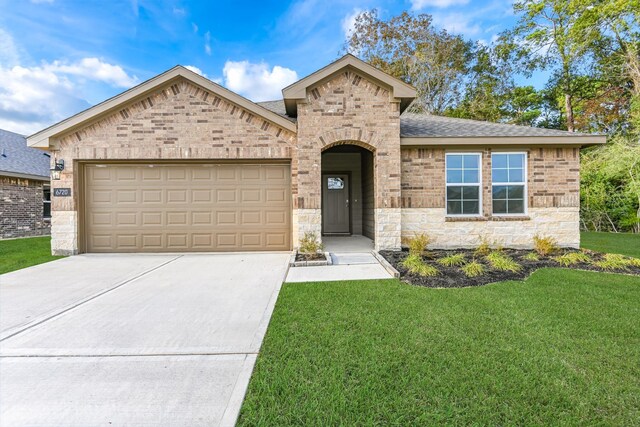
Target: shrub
x,y
634,262
572,258
612,262
503,262
309,244
473,269
531,256
483,248
544,245
451,260
418,243
415,265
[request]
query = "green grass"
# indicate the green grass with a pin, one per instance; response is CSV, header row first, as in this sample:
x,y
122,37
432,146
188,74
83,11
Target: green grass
x,y
561,348
21,253
619,243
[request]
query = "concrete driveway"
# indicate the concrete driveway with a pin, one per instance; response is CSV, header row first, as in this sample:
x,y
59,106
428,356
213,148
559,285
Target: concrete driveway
x,y
113,340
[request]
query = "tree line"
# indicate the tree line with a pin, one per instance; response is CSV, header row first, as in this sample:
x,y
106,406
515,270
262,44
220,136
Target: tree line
x,y
590,51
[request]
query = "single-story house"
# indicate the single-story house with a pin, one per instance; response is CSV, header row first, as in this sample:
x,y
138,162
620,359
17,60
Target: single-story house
x,y
179,163
25,196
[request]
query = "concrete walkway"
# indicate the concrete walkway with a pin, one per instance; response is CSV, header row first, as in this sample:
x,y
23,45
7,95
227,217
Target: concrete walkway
x,y
163,340
346,266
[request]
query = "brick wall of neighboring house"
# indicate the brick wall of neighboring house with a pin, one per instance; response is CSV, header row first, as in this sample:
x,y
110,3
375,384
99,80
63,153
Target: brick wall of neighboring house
x,y
348,108
21,208
553,199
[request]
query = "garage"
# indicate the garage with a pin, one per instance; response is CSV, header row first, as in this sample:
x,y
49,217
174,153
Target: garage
x,y
189,207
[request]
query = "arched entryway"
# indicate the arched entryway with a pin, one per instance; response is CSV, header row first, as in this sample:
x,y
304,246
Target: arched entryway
x,y
348,196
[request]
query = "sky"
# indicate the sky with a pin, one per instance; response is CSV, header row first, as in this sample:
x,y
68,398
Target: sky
x,y
59,57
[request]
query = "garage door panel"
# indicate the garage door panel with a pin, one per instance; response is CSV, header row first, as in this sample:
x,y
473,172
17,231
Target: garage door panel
x,y
198,207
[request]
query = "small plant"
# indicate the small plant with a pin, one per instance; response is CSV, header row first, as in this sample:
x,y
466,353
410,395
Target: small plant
x,y
635,262
473,269
415,265
309,244
452,260
531,256
572,258
544,245
418,243
612,262
503,262
484,248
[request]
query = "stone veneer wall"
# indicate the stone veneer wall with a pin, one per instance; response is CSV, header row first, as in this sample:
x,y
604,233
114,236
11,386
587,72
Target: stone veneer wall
x,y
350,109
553,200
21,208
179,121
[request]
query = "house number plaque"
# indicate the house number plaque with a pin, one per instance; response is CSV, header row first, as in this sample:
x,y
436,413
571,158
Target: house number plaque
x,y
62,192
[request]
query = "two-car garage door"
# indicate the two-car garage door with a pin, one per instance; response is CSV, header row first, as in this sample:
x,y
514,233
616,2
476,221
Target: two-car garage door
x,y
199,207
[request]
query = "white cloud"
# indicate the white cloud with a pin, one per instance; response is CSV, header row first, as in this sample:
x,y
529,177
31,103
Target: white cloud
x,y
32,98
349,22
207,43
256,81
195,70
8,51
179,11
95,69
194,26
421,4
458,23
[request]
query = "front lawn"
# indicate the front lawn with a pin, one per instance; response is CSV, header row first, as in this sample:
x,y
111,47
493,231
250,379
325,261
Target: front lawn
x,y
560,348
618,243
21,253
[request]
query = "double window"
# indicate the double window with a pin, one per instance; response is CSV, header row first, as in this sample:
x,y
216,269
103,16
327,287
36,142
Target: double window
x,y
463,183
508,183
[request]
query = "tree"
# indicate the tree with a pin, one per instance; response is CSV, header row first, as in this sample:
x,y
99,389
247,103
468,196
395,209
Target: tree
x,y
546,31
411,49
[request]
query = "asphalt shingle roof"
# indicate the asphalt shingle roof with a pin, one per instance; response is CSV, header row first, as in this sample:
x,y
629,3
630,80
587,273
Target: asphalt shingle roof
x,y
430,126
17,157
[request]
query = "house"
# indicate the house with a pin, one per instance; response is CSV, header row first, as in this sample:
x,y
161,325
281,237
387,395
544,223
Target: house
x,y
180,163
25,197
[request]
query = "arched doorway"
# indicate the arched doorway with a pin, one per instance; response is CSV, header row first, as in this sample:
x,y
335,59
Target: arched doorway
x,y
348,195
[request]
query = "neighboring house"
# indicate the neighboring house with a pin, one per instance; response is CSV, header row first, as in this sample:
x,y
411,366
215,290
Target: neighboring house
x,y
25,197
180,163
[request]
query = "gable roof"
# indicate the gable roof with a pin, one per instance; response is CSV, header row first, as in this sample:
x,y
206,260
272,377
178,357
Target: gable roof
x,y
41,139
400,90
16,159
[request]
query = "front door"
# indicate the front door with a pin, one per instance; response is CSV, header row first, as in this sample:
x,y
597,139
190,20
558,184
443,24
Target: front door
x,y
335,204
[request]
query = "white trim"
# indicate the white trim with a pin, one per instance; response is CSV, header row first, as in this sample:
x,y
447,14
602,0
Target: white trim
x,y
463,184
525,182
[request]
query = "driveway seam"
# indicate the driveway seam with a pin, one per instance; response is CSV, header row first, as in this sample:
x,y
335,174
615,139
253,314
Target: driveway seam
x,y
86,300
82,356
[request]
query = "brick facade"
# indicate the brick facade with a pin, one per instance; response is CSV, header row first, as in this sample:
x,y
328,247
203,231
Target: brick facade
x,y
349,108
183,121
553,177
21,208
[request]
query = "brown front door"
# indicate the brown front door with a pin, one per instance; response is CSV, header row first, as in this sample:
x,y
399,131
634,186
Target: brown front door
x,y
335,202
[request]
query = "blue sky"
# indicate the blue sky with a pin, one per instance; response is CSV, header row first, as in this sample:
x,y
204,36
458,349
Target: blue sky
x,y
58,57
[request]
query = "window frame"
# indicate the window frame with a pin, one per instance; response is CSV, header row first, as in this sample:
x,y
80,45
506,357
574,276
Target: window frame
x,y
525,183
458,184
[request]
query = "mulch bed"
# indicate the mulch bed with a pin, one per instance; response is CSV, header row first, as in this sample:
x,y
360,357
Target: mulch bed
x,y
453,277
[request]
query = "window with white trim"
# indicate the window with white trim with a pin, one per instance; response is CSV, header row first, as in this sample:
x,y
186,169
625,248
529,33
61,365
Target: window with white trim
x,y
508,183
463,183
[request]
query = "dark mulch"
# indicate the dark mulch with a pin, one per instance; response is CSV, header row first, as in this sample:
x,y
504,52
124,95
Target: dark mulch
x,y
318,256
453,277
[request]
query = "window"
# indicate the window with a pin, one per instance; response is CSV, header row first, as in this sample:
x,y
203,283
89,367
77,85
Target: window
x,y
463,183
46,202
508,181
